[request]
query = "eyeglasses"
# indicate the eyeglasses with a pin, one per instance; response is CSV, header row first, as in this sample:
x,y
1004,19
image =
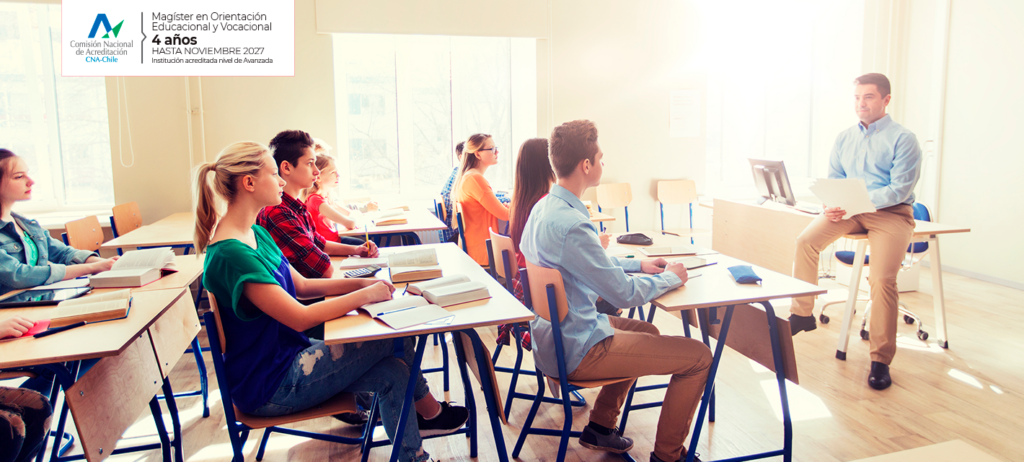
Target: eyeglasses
x,y
495,149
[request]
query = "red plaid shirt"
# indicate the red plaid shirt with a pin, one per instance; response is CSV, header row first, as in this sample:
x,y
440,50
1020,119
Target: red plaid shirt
x,y
292,228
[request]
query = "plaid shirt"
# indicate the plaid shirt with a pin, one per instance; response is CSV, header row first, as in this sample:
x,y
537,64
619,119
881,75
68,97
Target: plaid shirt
x,y
446,196
292,228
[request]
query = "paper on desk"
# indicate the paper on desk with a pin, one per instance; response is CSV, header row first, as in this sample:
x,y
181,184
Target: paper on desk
x,y
850,194
69,284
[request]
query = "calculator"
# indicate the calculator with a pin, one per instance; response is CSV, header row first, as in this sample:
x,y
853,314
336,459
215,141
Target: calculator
x,y
363,272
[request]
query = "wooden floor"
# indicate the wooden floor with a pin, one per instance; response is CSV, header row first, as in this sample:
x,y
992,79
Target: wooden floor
x,y
974,391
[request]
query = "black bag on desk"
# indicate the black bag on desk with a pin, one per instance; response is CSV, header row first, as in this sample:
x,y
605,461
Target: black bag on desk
x,y
634,239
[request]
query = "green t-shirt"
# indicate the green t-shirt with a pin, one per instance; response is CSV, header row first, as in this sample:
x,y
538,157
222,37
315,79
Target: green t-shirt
x,y
31,251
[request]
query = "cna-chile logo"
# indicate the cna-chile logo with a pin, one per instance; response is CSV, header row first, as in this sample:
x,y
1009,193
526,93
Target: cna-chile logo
x,y
101,20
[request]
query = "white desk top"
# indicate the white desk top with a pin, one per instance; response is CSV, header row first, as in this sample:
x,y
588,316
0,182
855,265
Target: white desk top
x,y
501,308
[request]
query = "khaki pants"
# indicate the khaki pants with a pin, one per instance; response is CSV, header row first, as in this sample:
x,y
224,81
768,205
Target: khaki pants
x,y
637,350
889,233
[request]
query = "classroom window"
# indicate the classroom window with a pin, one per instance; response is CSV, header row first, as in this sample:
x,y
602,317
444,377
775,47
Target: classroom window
x,y
403,102
57,124
779,87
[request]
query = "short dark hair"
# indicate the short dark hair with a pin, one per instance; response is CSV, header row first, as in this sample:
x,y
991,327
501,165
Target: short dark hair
x,y
458,149
290,145
880,81
572,142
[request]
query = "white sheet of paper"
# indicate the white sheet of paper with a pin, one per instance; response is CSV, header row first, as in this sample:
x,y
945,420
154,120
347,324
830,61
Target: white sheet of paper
x,y
684,113
850,194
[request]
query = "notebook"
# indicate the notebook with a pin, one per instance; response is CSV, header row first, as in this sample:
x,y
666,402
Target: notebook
x,y
403,312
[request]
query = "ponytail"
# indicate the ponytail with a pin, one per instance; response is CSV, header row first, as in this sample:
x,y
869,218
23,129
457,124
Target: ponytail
x,y
236,160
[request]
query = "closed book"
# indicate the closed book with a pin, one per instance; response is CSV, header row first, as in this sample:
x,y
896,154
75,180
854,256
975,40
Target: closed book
x,y
403,312
391,221
455,294
414,273
419,287
132,277
114,305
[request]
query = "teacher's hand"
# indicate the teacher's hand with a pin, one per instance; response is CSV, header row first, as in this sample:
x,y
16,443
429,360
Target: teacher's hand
x,y
834,214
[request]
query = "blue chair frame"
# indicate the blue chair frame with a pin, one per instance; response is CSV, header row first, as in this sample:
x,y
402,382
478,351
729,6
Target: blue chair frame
x,y
565,387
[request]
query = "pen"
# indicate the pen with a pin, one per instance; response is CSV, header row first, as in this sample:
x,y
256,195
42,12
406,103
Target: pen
x,y
667,232
395,311
59,329
706,264
629,256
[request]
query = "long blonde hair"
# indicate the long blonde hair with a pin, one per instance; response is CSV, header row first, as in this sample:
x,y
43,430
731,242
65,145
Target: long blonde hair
x,y
237,160
323,162
469,160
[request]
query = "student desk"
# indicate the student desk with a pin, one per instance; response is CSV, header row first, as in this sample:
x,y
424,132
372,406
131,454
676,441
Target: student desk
x,y
713,289
136,355
598,217
176,229
741,229
418,220
501,308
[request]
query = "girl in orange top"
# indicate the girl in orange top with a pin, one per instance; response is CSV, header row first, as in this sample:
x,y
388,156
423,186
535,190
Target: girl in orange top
x,y
481,210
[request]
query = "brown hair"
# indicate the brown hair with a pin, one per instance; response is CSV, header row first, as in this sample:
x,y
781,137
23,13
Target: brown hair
x,y
323,162
290,145
880,81
533,181
235,161
469,161
571,143
6,158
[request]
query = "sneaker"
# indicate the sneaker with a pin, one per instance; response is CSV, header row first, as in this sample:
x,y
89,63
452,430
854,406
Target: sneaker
x,y
682,457
450,420
612,442
799,324
354,418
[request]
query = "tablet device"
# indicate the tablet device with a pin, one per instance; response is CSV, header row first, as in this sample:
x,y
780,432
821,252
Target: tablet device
x,y
43,297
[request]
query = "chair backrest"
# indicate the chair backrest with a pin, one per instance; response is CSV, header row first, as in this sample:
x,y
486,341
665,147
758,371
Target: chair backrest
x,y
462,234
126,218
220,326
922,213
85,234
501,244
217,351
538,280
749,335
677,192
614,195
444,211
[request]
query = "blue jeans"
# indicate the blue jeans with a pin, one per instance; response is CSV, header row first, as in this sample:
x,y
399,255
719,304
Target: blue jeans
x,y
321,371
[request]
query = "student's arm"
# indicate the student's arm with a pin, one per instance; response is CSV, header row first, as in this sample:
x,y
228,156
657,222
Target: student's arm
x,y
65,254
906,169
476,187
278,304
316,288
583,256
335,215
366,250
14,273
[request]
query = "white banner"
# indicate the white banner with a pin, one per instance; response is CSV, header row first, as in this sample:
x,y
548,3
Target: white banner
x,y
177,38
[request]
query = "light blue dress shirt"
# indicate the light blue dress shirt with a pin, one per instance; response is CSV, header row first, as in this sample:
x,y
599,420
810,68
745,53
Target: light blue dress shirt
x,y
885,155
560,235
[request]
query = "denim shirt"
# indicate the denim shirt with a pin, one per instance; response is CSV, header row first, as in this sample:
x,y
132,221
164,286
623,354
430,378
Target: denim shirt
x,y
50,266
885,155
560,235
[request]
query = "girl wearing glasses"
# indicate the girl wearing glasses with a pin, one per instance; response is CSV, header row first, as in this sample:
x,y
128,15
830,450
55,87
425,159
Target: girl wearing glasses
x,y
481,209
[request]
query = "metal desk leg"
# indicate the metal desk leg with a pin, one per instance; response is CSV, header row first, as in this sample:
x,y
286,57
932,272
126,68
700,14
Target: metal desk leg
x,y
488,388
467,386
407,405
780,376
705,400
938,297
705,329
851,301
172,408
161,431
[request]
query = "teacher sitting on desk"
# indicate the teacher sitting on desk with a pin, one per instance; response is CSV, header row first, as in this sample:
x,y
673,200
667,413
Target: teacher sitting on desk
x,y
887,157
29,257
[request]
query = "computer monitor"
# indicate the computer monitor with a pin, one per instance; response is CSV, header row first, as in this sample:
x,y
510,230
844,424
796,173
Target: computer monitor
x,y
772,181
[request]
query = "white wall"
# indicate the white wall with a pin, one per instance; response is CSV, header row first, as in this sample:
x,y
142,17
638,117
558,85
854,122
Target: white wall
x,y
983,157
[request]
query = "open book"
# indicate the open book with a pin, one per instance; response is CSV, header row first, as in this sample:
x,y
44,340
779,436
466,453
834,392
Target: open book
x,y
403,312
137,268
419,287
95,308
415,265
455,294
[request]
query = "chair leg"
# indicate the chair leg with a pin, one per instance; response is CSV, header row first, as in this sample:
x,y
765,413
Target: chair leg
x,y
263,443
563,443
515,374
204,386
444,362
625,409
371,423
529,417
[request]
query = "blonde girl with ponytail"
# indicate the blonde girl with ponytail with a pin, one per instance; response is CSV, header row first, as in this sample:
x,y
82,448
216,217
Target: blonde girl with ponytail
x,y
268,366
322,209
481,209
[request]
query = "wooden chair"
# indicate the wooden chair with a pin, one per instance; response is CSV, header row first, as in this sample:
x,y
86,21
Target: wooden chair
x,y
676,192
547,290
239,423
615,195
84,234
